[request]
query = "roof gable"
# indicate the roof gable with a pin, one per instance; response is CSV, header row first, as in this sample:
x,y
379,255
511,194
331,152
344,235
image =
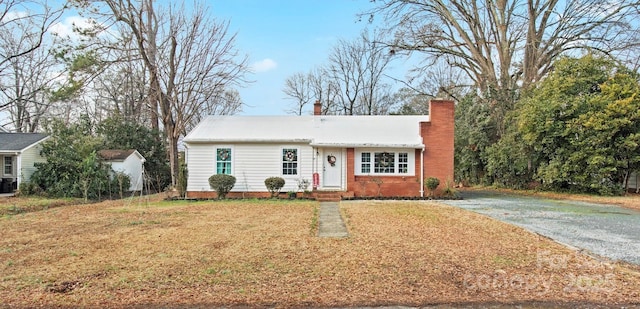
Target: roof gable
x,y
339,131
17,142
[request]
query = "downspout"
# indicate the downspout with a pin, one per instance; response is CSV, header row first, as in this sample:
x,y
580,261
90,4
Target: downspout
x,y
186,163
422,173
18,169
315,161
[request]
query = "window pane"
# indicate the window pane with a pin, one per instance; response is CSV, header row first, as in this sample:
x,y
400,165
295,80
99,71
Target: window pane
x,y
8,165
365,159
223,161
289,161
403,162
224,154
224,168
384,162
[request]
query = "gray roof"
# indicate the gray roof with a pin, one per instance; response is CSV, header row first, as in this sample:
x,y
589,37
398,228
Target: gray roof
x,y
16,142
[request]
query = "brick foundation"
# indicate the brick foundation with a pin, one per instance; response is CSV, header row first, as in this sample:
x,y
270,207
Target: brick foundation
x,y
213,194
386,186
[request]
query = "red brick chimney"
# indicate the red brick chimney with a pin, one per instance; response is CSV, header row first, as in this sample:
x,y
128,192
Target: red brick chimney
x,y
317,108
438,138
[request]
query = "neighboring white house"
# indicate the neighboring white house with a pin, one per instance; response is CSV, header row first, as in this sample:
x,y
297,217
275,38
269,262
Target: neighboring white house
x,y
18,153
129,162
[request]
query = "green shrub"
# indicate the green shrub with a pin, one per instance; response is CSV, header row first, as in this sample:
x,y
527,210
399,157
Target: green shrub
x,y
222,184
431,183
28,188
120,183
274,184
183,174
449,190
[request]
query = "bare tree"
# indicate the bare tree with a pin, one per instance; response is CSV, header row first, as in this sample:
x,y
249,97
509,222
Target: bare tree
x,y
122,86
227,102
23,67
325,90
508,44
412,102
122,90
28,69
298,88
190,61
26,82
317,85
19,21
358,67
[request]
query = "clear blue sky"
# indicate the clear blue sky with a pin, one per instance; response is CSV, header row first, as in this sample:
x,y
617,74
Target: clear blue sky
x,y
283,37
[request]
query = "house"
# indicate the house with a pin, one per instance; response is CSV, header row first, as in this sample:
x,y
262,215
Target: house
x,y
129,162
18,153
352,155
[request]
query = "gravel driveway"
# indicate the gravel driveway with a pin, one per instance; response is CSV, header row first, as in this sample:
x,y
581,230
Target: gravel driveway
x,y
604,230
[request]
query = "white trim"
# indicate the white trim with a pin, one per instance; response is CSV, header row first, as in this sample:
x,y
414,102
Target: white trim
x,y
215,158
13,166
410,161
298,159
139,155
19,172
341,157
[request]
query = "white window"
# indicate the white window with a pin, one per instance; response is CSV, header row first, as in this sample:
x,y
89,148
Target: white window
x,y
365,162
403,162
8,165
385,162
289,161
223,161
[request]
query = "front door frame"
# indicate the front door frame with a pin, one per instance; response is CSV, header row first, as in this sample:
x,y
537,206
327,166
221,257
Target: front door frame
x,y
332,175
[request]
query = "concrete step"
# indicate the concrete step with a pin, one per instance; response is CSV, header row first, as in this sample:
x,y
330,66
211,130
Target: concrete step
x,y
328,196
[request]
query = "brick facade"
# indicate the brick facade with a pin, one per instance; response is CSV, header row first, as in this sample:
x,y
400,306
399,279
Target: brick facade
x,y
438,137
382,185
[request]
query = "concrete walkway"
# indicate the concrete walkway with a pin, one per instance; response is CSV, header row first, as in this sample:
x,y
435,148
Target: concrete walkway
x,y
330,221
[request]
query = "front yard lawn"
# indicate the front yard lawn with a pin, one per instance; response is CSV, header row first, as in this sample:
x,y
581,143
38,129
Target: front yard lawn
x,y
138,252
17,205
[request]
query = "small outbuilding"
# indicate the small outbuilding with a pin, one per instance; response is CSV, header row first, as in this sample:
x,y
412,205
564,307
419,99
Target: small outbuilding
x,y
129,162
18,154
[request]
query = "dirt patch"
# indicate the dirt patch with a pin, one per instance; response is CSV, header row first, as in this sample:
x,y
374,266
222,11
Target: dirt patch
x,y
265,253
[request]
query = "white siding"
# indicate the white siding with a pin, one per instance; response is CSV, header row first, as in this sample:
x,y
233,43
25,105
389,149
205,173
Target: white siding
x,y
251,165
27,159
633,180
131,166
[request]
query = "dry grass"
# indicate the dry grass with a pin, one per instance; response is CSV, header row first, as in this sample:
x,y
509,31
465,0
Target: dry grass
x,y
257,253
16,205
